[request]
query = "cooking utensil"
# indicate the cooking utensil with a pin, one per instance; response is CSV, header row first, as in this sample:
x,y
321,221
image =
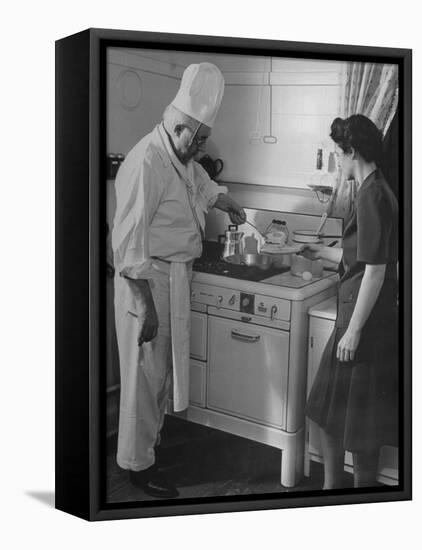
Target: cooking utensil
x,y
321,225
262,261
255,227
233,244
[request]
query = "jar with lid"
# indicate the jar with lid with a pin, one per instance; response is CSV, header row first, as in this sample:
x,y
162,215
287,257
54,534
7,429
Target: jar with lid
x,y
277,233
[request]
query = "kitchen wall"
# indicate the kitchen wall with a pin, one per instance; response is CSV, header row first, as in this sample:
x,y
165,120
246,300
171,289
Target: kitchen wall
x,y
296,110
128,122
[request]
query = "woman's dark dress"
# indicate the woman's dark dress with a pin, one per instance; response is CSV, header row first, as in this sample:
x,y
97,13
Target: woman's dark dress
x,y
357,400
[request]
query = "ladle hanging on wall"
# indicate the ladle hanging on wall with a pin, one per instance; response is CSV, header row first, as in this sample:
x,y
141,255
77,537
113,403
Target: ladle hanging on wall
x,y
270,139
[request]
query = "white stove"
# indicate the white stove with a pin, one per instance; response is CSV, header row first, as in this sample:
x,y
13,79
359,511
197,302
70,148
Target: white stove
x,y
249,357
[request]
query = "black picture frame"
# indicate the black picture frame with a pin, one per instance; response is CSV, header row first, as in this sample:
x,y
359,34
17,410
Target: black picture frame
x,y
80,261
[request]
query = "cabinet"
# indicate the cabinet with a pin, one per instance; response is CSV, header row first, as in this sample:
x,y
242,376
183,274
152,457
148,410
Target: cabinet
x,y
321,324
197,378
198,336
198,357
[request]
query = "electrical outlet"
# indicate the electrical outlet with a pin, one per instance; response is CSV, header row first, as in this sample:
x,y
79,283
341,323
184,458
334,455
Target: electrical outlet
x,y
255,138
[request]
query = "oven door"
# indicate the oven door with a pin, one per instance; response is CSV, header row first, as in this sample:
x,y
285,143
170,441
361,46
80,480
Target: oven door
x,y
248,371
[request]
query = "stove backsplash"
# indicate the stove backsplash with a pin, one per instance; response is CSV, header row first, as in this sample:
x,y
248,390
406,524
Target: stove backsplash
x,y
217,223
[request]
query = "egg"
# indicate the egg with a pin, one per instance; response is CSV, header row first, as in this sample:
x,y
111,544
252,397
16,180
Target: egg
x,y
307,276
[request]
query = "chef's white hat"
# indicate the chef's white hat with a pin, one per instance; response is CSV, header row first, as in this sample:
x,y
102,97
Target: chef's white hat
x,y
200,92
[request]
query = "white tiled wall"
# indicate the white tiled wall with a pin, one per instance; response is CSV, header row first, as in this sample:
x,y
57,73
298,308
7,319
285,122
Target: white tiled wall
x,y
304,101
126,127
301,119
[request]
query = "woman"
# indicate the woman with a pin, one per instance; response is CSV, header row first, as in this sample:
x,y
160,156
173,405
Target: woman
x,y
354,395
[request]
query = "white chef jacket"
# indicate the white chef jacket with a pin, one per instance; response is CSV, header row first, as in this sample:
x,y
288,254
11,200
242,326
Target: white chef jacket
x,y
160,213
153,215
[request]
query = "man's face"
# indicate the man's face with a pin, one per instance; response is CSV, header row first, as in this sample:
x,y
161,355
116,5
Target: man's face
x,y
189,143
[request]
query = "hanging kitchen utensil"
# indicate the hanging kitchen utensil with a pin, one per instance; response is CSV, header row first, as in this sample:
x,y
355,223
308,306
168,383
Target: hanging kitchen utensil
x,y
270,139
255,136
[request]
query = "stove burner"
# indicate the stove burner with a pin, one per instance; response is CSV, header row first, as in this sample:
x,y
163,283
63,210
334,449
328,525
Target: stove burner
x,y
211,262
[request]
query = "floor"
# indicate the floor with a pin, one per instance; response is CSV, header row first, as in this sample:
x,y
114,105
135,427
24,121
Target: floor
x,y
204,462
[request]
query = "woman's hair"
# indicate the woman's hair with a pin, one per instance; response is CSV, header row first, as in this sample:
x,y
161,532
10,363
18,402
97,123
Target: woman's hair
x,y
358,132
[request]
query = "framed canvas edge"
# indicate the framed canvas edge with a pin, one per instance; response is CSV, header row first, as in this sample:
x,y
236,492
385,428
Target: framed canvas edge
x,y
97,510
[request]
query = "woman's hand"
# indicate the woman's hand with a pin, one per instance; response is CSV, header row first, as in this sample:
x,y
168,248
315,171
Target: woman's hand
x,y
312,251
346,349
319,251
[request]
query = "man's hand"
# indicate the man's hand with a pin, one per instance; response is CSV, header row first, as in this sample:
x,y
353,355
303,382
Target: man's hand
x,y
237,216
148,325
227,204
145,310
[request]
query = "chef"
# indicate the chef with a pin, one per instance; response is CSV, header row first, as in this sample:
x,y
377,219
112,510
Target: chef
x,y
162,197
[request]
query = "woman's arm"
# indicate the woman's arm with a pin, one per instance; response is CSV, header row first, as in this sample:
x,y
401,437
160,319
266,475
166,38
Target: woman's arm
x,y
372,281
319,251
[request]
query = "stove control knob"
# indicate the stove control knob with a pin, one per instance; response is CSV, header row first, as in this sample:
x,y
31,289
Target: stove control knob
x,y
232,300
245,302
193,295
273,312
219,301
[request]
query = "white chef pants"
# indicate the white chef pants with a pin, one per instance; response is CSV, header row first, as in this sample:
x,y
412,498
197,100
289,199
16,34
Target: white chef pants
x,y
145,377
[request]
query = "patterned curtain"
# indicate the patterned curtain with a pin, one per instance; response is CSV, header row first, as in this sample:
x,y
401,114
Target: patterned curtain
x,y
370,89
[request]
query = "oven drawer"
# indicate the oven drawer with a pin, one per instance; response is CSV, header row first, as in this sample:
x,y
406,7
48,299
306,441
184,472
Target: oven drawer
x,y
198,335
248,371
197,383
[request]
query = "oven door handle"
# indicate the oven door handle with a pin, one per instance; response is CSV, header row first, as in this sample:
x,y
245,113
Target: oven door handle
x,y
245,337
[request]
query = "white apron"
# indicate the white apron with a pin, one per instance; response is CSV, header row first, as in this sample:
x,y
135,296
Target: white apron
x,y
147,371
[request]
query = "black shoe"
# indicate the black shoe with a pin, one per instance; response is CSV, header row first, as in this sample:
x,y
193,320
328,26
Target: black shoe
x,y
153,483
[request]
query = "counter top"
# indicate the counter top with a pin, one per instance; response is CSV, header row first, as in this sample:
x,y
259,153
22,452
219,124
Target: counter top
x,y
325,310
